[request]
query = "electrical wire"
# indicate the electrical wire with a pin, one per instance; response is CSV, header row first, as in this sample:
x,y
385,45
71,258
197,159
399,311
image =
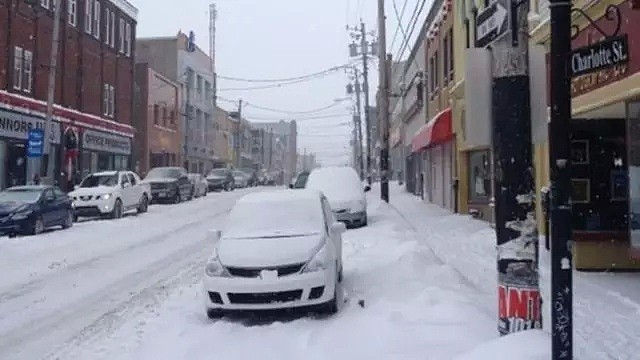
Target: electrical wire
x,y
317,117
331,69
413,27
396,32
270,86
332,105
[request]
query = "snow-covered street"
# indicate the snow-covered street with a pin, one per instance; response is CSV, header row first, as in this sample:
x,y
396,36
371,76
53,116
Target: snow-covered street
x,y
130,289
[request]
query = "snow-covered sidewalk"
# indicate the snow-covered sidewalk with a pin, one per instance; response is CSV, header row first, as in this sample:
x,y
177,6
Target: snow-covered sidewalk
x,y
415,307
606,306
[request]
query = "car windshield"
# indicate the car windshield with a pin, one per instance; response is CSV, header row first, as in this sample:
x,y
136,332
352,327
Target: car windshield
x,y
301,181
338,184
92,181
159,173
20,195
239,174
218,172
276,218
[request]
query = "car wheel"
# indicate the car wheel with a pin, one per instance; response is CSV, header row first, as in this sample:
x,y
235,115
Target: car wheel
x,y
144,204
333,306
365,221
214,314
68,222
38,226
177,199
116,213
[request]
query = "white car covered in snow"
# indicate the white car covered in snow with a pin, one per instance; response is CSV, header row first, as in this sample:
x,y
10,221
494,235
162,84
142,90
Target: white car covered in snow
x,y
110,194
344,190
281,249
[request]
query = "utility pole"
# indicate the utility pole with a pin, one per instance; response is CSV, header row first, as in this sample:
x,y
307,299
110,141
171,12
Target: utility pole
x,y
503,28
358,122
36,163
187,123
559,160
383,108
365,74
236,135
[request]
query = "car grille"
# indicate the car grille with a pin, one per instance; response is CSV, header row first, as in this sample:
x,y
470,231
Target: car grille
x,y
265,298
340,211
255,272
157,186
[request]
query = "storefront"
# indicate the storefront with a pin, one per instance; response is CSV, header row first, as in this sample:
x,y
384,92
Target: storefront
x,y
434,144
102,151
605,134
14,129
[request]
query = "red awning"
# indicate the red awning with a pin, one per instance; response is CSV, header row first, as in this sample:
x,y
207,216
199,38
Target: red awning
x,y
437,131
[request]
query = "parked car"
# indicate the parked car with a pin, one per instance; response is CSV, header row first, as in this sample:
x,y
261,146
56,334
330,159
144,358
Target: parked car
x,y
30,210
110,194
200,186
252,174
169,184
300,181
240,179
281,249
220,179
345,192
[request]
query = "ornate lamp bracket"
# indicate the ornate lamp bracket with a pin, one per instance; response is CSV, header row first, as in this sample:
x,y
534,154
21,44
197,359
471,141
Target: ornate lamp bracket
x,y
612,14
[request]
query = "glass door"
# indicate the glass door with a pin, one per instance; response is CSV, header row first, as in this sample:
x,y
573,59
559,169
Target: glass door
x,y
633,149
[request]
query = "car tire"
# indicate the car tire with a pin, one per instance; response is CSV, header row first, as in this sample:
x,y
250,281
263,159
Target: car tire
x,y
144,204
116,213
37,227
333,306
68,222
214,314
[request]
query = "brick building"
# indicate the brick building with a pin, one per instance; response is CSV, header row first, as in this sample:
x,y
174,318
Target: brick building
x,y
158,140
94,85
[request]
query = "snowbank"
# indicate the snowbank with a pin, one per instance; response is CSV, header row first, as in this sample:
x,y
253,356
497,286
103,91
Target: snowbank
x,y
526,345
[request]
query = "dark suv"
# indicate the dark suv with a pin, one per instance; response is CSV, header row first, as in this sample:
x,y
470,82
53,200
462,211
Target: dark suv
x,y
169,184
220,179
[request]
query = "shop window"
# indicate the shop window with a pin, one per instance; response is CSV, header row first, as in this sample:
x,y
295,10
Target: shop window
x,y
479,176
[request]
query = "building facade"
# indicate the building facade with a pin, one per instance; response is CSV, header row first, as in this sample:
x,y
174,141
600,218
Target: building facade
x,y
158,140
223,156
182,61
93,99
281,139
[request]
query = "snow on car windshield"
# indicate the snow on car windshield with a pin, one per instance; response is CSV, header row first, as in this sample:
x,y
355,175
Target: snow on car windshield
x,y
337,184
99,180
274,218
20,195
218,172
163,173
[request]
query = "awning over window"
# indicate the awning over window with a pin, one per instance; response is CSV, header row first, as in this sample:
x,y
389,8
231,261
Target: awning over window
x,y
437,131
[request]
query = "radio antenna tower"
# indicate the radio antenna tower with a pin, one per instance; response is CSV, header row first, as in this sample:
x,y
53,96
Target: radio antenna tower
x,y
213,15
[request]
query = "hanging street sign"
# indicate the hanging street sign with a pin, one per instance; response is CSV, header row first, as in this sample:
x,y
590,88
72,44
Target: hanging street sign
x,y
605,54
491,24
35,143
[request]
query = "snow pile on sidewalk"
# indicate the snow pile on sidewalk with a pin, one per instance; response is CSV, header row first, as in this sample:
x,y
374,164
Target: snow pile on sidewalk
x,y
526,345
415,307
606,306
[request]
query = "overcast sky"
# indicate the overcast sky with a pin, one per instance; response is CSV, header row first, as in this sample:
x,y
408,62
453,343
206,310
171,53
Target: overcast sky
x,y
280,39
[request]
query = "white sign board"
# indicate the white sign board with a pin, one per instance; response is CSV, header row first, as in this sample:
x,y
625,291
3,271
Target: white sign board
x,y
100,141
16,125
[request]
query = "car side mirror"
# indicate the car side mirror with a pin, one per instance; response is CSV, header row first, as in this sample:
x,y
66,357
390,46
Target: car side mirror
x,y
338,228
290,186
76,187
214,235
367,188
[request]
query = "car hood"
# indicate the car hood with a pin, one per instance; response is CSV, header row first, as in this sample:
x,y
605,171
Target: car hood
x,y
343,203
10,207
216,177
159,180
270,251
98,190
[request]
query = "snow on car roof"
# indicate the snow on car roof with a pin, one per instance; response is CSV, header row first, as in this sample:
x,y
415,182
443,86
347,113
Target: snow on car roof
x,y
281,196
105,173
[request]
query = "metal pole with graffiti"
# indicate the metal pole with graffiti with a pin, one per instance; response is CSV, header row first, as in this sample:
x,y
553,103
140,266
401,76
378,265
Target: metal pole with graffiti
x,y
502,27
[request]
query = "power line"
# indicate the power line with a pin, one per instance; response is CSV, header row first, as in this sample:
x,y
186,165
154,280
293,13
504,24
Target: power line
x,y
272,85
413,27
395,34
317,117
332,105
331,69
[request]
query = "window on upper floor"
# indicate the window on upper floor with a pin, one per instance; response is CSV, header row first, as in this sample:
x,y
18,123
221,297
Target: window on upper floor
x,y
165,115
22,69
113,29
97,12
445,60
88,16
45,3
451,53
127,39
107,26
109,99
72,12
156,114
172,117
121,35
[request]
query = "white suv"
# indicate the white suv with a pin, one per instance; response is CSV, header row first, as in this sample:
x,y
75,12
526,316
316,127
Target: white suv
x,y
110,194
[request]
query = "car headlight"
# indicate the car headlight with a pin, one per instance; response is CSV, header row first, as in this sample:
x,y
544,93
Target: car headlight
x,y
104,196
319,262
21,215
214,268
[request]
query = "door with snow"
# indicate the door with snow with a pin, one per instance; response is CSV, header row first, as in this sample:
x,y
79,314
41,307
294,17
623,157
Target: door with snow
x,y
447,176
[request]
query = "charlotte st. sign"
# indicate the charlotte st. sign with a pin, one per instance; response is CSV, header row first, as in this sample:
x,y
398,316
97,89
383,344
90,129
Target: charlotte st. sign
x,y
610,52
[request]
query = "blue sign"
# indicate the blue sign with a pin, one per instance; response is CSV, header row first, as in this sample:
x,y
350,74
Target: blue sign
x,y
35,143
